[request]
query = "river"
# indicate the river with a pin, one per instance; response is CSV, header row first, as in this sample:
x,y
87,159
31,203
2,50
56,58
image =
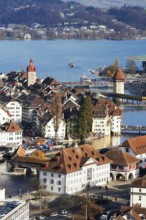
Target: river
x,y
51,58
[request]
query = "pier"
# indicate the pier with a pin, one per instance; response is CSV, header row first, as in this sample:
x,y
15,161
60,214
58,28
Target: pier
x,y
130,129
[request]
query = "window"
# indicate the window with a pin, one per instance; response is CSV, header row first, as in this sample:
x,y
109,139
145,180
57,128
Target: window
x,y
59,189
44,180
52,174
51,188
139,198
59,182
139,190
51,181
59,175
45,173
89,174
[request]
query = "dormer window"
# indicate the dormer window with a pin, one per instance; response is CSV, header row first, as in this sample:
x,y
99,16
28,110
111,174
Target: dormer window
x,y
69,158
73,150
69,166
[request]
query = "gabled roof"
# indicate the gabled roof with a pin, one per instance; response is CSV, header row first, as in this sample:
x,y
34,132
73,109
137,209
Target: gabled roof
x,y
120,157
33,101
49,81
136,144
119,75
36,157
139,182
45,118
12,127
72,159
108,105
128,211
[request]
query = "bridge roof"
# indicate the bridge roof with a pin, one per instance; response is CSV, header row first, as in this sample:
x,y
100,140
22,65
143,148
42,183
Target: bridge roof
x,y
124,96
138,58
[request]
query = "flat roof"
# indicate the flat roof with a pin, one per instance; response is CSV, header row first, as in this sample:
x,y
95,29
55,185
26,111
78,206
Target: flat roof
x,y
8,206
138,58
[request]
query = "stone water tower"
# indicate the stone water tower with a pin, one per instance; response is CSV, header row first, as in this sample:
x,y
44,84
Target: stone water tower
x,y
118,81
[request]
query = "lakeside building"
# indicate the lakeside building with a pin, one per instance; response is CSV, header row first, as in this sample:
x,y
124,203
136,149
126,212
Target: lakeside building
x,y
118,82
123,165
106,117
136,147
10,133
138,193
74,169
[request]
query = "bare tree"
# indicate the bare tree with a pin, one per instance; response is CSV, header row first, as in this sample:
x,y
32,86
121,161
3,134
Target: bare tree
x,y
56,113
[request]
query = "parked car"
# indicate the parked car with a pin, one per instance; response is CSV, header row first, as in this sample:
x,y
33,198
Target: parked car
x,y
63,212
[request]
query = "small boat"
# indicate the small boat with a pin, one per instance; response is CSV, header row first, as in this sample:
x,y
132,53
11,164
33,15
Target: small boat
x,y
71,65
85,79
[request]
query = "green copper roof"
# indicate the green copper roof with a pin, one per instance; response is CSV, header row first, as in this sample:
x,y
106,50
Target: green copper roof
x,y
138,58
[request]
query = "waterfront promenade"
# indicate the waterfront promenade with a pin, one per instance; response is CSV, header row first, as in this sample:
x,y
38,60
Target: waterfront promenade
x,y
133,129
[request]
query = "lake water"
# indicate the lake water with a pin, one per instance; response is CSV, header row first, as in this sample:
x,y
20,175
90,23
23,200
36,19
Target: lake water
x,y
51,58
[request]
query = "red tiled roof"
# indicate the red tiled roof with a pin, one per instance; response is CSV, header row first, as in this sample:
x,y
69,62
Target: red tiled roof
x,y
119,75
139,182
137,144
71,159
12,127
125,210
120,157
31,67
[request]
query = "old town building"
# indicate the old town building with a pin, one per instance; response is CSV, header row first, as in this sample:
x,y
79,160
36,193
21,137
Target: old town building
x,y
74,169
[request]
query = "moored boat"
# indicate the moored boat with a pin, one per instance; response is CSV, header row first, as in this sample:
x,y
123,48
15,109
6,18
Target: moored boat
x,y
71,64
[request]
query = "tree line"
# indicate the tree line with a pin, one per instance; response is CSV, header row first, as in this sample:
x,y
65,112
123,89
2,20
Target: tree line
x,y
52,12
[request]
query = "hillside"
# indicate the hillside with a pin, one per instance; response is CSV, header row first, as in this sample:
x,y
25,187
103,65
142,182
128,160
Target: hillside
x,y
111,3
53,12
69,20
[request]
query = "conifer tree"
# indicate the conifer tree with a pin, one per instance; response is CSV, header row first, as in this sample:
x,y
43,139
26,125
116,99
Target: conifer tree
x,y
85,118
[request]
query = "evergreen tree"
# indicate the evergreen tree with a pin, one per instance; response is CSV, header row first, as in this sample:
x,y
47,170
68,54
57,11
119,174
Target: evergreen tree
x,y
85,118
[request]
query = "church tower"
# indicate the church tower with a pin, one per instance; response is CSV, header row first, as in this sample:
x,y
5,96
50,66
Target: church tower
x,y
31,74
119,80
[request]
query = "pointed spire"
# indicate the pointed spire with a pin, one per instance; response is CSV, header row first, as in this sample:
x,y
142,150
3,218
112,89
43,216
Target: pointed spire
x,y
31,67
119,75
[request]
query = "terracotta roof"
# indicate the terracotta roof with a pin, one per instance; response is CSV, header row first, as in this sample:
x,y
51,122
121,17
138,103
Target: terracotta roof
x,y
125,210
119,75
72,159
12,127
137,144
99,112
109,105
140,210
36,156
120,157
24,75
31,67
20,151
139,182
